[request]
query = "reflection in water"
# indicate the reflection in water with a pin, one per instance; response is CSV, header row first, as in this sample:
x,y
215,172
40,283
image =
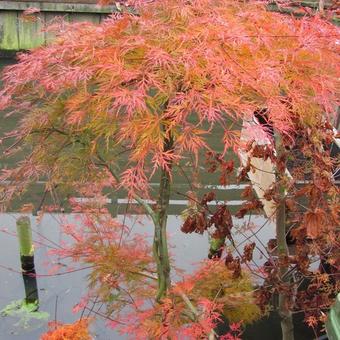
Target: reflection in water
x,y
187,250
68,289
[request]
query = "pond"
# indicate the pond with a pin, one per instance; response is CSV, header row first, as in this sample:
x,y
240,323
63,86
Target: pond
x,y
59,293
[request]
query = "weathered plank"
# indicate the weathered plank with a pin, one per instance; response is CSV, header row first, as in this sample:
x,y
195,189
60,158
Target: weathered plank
x,y
64,6
83,17
50,18
61,1
9,31
30,32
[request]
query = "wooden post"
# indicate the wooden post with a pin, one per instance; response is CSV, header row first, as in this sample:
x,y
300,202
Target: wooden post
x,y
27,259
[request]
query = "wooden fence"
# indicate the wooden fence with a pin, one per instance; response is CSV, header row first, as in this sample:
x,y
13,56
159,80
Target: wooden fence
x,y
18,34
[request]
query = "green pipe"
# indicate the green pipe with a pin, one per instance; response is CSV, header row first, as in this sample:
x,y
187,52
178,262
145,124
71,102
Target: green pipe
x,y
24,233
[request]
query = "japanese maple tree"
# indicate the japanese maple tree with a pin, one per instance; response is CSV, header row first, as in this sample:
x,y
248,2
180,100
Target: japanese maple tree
x,y
111,106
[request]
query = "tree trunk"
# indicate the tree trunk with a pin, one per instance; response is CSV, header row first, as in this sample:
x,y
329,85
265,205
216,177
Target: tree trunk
x,y
287,325
160,244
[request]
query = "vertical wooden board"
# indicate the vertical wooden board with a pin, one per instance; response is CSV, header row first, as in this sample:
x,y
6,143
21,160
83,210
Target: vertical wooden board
x,y
51,18
82,17
30,32
9,30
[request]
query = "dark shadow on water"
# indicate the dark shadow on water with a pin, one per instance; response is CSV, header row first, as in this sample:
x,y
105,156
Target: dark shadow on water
x,y
269,328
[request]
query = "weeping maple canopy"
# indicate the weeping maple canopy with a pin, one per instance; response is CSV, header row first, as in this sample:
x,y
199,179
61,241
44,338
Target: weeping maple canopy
x,y
174,71
150,88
